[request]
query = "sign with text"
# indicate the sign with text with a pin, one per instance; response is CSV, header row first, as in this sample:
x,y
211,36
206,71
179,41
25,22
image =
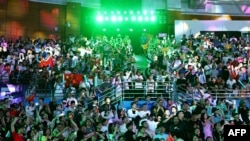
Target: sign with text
x,y
237,132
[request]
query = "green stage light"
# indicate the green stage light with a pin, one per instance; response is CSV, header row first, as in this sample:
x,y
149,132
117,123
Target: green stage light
x,y
106,18
140,18
113,18
120,18
104,29
152,18
131,29
99,18
133,18
118,29
144,29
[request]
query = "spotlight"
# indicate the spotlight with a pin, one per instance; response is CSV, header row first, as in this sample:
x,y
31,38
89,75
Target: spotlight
x,y
140,18
152,18
113,18
133,18
99,18
120,18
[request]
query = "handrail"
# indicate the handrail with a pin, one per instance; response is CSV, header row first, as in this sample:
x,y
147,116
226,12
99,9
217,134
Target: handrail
x,y
159,91
15,80
49,93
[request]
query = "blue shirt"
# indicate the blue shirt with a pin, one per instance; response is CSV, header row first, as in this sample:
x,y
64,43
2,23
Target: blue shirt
x,y
216,119
149,105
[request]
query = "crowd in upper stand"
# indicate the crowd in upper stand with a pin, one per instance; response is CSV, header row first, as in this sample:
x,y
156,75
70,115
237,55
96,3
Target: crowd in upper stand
x,y
209,74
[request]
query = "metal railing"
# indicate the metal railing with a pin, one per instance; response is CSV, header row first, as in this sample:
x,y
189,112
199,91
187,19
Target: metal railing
x,y
166,91
50,93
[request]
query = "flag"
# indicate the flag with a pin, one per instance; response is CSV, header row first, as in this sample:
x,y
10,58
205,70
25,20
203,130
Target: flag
x,y
68,78
30,98
144,46
47,63
76,79
73,79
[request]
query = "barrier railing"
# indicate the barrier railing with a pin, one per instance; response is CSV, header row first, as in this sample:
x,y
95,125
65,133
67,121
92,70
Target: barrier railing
x,y
215,94
166,90
50,93
116,94
15,80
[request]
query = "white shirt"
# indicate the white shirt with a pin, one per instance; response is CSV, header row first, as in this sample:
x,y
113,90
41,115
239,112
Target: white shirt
x,y
123,128
131,114
30,110
138,84
110,115
208,69
230,83
152,125
69,99
143,114
104,128
177,63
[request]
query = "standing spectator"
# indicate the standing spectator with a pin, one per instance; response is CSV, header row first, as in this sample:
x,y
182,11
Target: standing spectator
x,y
243,111
216,116
207,125
17,134
181,84
230,82
133,112
130,135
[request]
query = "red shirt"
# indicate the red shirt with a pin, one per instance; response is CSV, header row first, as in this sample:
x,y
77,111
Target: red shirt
x,y
17,137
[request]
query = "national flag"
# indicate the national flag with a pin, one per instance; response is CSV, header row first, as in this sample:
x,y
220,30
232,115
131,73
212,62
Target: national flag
x,y
73,78
47,63
76,79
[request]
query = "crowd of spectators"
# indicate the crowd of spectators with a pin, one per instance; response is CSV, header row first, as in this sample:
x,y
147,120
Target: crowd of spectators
x,y
208,75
